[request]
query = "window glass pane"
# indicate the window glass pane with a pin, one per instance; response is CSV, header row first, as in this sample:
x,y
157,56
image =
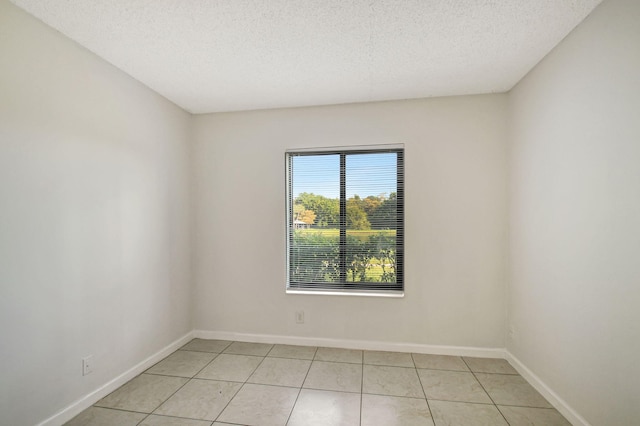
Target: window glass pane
x,y
315,216
316,174
371,190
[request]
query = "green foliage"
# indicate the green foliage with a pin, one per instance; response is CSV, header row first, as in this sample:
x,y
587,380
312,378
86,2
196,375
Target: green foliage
x,y
356,216
370,257
327,210
373,212
358,257
385,249
314,258
371,204
385,216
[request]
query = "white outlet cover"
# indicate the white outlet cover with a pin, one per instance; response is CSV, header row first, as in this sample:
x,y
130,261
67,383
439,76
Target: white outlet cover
x,y
87,365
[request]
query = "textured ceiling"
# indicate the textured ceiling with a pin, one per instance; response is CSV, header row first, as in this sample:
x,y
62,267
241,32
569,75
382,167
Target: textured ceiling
x,y
226,55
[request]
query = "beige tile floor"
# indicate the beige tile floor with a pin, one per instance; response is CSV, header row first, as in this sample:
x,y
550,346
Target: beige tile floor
x,y
215,382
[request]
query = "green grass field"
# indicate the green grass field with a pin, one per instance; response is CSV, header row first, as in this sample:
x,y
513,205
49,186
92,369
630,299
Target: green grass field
x,y
361,234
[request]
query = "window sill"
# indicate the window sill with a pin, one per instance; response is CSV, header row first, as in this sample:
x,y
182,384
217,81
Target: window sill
x,y
366,293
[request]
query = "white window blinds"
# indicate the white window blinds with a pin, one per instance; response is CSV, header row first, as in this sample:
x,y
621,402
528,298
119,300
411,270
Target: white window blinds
x,y
345,219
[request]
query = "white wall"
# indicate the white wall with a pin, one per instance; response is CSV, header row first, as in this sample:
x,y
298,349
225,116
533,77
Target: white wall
x,y
575,217
94,220
456,168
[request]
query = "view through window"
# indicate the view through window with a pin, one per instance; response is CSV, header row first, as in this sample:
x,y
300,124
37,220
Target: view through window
x,y
345,220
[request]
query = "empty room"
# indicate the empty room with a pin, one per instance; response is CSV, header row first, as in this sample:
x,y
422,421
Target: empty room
x,y
319,212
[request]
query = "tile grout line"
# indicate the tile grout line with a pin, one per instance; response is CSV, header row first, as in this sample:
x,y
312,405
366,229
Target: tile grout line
x,y
209,363
124,411
177,390
257,366
423,391
192,378
144,372
145,418
243,383
301,386
484,389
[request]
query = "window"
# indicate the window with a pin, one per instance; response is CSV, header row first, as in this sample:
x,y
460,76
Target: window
x,y
345,221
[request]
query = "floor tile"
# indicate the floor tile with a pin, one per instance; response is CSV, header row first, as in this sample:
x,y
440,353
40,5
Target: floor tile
x,y
394,359
526,416
511,390
339,355
452,386
326,408
154,420
446,413
395,381
240,384
144,393
202,345
182,364
336,376
380,410
440,362
96,416
291,351
233,368
489,365
245,348
260,405
200,399
281,371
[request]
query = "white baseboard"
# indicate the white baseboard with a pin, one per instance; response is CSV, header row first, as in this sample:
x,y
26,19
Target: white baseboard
x,y
371,345
88,400
561,405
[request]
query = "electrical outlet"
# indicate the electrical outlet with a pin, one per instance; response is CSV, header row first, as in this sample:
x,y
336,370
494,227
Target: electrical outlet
x,y
299,317
87,365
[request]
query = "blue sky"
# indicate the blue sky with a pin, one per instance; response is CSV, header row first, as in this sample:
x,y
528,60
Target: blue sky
x,y
320,174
